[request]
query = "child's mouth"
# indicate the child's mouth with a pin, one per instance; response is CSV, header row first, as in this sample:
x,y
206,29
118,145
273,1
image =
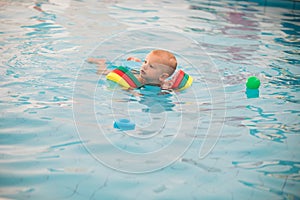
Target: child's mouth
x,y
142,72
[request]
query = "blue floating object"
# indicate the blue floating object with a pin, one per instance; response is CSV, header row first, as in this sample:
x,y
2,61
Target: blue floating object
x,y
252,93
124,124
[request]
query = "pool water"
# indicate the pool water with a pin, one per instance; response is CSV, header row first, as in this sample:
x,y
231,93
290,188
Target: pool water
x,y
215,140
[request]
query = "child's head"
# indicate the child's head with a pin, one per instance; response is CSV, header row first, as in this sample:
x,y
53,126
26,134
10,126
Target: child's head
x,y
158,65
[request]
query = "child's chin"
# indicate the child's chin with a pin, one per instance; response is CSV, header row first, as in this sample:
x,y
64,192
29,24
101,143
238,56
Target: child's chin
x,y
144,76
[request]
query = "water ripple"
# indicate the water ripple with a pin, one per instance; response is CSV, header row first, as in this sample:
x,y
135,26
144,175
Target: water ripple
x,y
282,169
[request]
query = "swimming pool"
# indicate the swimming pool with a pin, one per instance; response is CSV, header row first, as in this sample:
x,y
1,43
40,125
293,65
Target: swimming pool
x,y
209,142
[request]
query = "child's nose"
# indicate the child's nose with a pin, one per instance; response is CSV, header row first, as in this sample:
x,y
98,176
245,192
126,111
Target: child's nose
x,y
145,67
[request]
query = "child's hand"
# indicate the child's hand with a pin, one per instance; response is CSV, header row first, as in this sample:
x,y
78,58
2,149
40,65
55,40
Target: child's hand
x,y
102,70
133,59
167,84
98,61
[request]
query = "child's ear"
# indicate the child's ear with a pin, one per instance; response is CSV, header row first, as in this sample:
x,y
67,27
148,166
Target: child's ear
x,y
163,77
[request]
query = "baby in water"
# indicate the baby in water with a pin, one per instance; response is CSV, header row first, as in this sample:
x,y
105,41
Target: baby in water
x,y
157,67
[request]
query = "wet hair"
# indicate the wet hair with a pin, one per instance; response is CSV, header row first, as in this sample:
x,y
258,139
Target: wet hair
x,y
170,59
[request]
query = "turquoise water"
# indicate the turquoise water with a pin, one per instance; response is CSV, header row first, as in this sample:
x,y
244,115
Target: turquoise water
x,y
212,141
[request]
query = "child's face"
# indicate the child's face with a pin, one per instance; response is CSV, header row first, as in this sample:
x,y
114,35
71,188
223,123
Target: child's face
x,y
154,69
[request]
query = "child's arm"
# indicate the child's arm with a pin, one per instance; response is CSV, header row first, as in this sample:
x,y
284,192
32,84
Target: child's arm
x,y
134,71
102,70
134,59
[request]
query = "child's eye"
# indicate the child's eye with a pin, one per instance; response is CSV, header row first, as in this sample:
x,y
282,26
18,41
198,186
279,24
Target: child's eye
x,y
145,61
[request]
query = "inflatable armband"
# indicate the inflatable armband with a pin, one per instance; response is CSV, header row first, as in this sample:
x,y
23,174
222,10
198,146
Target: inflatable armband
x,y
124,77
181,80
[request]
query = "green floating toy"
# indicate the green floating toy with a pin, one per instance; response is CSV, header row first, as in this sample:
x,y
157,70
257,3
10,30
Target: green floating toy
x,y
253,82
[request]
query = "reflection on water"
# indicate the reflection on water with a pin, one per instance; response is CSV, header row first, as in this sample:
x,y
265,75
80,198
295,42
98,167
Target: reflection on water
x,y
155,100
266,126
279,169
263,187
